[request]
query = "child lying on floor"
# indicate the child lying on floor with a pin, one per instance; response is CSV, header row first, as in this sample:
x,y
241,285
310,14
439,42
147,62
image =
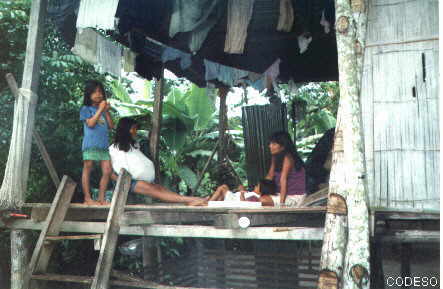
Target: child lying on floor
x,y
222,193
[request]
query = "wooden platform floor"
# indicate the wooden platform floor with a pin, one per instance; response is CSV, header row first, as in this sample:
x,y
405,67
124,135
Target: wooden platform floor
x,y
266,223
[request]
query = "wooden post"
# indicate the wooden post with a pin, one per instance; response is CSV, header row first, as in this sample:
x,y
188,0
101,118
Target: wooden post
x,y
31,74
38,140
154,137
223,123
150,261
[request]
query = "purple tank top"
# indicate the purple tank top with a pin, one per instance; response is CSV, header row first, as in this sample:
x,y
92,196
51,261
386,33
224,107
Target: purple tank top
x,y
296,182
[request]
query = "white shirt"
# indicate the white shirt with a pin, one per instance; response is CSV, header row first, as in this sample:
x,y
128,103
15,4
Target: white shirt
x,y
134,161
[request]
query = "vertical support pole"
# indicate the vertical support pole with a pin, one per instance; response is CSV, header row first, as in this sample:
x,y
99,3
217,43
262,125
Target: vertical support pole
x,y
31,74
149,258
223,123
154,137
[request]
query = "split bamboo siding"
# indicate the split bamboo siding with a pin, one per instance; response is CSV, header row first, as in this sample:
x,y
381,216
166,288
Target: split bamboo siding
x,y
400,104
265,264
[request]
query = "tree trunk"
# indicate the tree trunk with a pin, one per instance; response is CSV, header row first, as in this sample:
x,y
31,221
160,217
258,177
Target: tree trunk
x,y
154,137
351,30
346,252
336,224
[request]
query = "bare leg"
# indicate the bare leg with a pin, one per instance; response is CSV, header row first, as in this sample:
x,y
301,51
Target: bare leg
x,y
161,193
87,168
266,200
220,193
104,181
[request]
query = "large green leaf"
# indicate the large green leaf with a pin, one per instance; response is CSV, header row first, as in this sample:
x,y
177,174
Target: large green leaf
x,y
201,106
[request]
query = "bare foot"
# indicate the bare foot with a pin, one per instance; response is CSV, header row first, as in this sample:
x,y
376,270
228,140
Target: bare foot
x,y
105,203
199,203
90,202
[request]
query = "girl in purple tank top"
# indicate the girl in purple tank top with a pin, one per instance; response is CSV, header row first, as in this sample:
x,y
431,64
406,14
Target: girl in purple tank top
x,y
286,170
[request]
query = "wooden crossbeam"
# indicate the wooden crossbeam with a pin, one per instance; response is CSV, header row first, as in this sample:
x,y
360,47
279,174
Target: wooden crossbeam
x,y
148,218
78,237
88,280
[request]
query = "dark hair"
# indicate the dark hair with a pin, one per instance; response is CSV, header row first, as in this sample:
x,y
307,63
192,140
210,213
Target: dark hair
x,y
284,139
90,87
267,187
123,139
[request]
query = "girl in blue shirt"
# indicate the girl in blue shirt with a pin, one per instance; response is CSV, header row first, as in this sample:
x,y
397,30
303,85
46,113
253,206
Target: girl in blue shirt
x,y
96,124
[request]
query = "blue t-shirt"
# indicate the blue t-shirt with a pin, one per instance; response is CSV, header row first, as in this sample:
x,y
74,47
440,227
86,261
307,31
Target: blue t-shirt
x,y
94,137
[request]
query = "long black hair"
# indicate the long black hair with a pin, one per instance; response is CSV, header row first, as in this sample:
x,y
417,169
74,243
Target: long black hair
x,y
284,139
90,87
123,139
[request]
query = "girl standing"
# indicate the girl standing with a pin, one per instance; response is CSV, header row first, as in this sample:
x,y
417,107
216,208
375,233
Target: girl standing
x,y
96,124
287,171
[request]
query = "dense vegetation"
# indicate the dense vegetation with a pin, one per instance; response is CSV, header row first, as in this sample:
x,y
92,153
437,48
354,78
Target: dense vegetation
x,y
189,132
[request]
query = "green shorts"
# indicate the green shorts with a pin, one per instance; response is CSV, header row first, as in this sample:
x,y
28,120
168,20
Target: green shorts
x,y
96,155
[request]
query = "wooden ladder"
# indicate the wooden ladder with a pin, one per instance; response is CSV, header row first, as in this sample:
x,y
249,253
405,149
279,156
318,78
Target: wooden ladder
x,y
51,229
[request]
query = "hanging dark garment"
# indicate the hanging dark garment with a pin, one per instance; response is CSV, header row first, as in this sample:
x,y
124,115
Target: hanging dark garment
x,y
259,123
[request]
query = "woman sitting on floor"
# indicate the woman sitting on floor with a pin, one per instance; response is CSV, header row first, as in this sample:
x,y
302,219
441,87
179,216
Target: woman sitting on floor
x,y
125,153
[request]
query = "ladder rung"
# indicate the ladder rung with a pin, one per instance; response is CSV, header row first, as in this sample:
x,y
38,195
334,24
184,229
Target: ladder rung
x,y
79,237
63,278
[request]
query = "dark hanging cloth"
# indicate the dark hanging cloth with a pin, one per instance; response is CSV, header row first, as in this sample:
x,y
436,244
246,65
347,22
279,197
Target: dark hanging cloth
x,y
259,123
64,15
315,172
149,16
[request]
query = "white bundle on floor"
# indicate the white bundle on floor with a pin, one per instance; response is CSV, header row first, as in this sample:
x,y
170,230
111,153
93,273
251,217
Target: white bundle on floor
x,y
17,167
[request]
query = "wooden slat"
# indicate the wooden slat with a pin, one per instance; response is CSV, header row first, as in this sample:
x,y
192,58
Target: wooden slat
x,y
231,221
79,237
112,228
146,217
399,236
51,227
185,231
88,280
266,210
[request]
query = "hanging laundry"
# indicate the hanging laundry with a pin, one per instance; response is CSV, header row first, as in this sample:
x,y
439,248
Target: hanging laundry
x,y
271,74
195,16
225,74
325,23
170,54
109,56
286,18
303,42
129,60
239,16
97,14
86,45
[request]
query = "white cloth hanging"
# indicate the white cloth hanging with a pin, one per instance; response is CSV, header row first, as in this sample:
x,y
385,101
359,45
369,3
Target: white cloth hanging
x,y
97,14
239,16
109,56
286,18
86,45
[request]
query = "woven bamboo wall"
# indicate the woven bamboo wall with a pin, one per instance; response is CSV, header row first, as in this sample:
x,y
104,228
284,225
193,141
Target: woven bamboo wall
x,y
400,104
252,264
